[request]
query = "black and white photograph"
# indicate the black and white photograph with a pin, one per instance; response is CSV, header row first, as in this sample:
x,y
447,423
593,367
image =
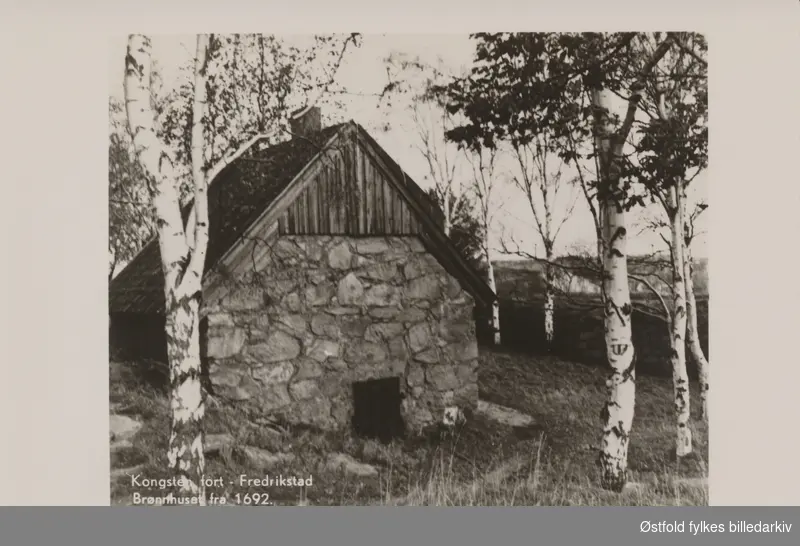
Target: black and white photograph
x,y
409,269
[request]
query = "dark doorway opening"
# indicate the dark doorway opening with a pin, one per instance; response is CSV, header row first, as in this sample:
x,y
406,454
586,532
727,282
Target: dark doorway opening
x,y
376,406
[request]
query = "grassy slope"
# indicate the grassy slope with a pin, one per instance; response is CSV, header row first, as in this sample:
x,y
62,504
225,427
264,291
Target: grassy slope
x,y
555,457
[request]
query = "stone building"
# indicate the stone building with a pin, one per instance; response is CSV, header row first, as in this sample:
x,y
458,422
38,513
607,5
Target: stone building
x,y
332,295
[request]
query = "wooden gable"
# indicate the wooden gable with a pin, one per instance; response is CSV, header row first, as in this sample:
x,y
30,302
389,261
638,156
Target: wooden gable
x,y
352,194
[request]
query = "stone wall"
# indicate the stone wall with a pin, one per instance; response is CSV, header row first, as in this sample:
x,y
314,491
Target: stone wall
x,y
310,315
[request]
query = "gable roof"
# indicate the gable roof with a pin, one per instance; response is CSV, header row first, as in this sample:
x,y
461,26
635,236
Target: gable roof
x,y
241,194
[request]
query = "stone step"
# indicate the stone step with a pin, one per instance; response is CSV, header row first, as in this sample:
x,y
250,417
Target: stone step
x,y
504,415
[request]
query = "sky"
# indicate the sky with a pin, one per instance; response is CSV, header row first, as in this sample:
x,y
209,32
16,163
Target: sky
x,y
363,73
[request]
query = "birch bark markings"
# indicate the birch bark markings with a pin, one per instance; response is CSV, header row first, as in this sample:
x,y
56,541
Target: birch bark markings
x,y
482,186
692,336
548,239
538,183
619,408
495,304
675,208
680,378
182,259
618,411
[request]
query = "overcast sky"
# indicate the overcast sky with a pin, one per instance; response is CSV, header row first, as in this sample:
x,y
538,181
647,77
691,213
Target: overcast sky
x,y
363,73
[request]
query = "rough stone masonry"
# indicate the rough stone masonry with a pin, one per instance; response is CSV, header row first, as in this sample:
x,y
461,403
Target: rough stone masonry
x,y
313,314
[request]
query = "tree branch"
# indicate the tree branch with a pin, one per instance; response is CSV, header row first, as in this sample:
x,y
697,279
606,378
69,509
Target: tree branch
x,y
681,44
193,278
639,85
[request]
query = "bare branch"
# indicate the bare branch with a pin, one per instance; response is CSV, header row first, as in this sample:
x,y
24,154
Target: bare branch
x,y
683,46
639,85
653,290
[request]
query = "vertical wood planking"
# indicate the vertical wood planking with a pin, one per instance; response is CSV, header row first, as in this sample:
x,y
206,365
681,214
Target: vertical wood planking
x,y
362,193
387,207
313,201
303,203
379,206
282,224
397,213
291,228
370,199
334,209
342,191
350,195
326,199
352,189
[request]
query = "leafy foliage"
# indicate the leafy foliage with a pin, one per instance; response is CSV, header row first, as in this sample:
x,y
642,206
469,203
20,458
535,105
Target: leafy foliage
x,y
674,143
129,218
254,81
523,85
466,230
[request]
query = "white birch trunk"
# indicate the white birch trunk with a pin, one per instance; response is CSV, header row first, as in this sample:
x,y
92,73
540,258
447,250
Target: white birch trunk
x,y
182,258
549,323
549,303
446,212
496,305
692,336
619,408
547,239
680,378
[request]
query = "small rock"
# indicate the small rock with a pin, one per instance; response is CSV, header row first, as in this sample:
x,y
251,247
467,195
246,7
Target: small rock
x,y
271,374
350,291
296,324
308,369
341,461
325,325
380,295
224,342
371,246
216,443
319,294
305,389
122,427
340,257
442,377
424,288
504,415
266,460
431,356
278,346
419,337
321,349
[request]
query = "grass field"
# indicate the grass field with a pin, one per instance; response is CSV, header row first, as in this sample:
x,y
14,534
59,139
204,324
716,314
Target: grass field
x,y
551,462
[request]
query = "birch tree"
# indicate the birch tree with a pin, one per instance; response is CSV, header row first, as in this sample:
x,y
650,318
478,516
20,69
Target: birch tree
x,y
484,178
693,336
183,246
542,185
182,252
673,145
466,229
521,84
413,84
